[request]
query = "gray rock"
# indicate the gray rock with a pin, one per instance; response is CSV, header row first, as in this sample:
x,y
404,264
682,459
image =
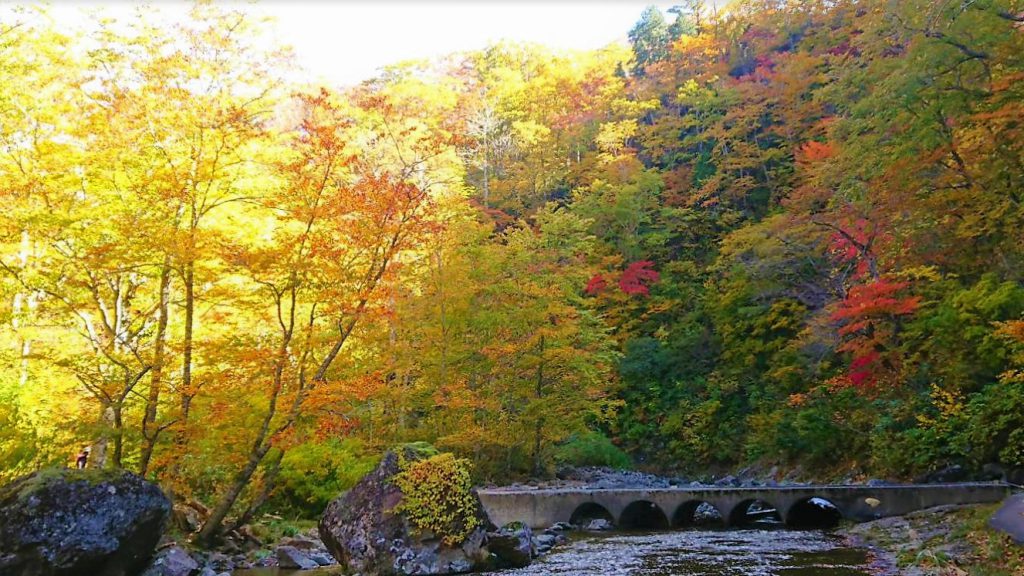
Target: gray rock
x,y
172,562
512,545
599,525
293,558
1010,518
954,473
456,566
220,562
562,527
322,558
96,522
546,540
207,571
240,562
602,477
302,543
727,481
706,514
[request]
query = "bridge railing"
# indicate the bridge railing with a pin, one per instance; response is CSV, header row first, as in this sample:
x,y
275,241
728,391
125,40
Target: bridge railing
x,y
794,505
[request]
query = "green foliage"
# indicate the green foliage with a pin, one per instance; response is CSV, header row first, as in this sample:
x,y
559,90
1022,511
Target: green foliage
x,y
272,529
17,442
649,37
591,449
313,474
994,419
437,496
814,433
417,450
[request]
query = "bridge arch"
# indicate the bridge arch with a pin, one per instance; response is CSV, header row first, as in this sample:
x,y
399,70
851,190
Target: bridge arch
x,y
814,512
748,512
588,511
643,514
697,513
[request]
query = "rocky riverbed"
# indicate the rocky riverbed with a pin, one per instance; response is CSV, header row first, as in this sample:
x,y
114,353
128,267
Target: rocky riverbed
x,y
940,541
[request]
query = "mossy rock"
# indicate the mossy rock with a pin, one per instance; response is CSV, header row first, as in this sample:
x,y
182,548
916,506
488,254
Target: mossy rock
x,y
367,531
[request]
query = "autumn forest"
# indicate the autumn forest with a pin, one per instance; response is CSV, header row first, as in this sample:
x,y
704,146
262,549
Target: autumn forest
x,y
782,234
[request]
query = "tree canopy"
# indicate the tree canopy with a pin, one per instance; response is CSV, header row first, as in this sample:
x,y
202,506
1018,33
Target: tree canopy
x,y
786,233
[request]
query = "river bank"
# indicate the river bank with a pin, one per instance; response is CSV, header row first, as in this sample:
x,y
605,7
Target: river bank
x,y
940,541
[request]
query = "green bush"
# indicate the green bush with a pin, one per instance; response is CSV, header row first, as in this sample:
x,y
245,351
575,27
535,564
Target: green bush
x,y
313,474
822,432
591,449
995,422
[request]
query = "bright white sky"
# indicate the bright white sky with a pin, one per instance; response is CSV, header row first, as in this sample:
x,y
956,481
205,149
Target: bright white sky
x,y
348,41
344,42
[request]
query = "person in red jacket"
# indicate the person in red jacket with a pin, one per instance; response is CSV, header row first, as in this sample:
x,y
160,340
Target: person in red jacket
x,y
82,459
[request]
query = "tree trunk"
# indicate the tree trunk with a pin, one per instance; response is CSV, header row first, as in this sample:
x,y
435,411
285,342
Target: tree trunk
x,y
149,433
269,481
186,394
118,452
98,450
22,306
212,526
186,353
539,424
261,445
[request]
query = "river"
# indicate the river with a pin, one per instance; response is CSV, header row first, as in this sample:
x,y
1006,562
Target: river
x,y
691,553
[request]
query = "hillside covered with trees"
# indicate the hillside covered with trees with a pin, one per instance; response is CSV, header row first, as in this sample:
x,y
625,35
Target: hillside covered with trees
x,y
781,234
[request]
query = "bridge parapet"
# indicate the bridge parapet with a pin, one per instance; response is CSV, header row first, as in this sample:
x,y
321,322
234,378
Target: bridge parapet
x,y
543,507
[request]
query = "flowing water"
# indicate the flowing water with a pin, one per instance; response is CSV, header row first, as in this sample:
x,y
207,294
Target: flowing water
x,y
705,553
691,553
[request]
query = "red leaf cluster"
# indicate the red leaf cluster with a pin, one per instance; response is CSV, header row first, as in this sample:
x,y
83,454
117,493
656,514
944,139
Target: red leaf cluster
x,y
596,284
637,277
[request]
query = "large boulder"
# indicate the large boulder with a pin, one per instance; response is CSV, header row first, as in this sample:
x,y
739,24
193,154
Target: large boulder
x,y
367,531
512,545
61,522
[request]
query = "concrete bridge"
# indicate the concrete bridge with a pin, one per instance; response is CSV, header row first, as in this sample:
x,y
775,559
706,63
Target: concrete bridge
x,y
796,506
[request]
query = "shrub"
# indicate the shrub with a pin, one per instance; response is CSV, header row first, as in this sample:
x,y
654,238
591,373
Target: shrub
x,y
437,496
592,449
995,422
313,474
